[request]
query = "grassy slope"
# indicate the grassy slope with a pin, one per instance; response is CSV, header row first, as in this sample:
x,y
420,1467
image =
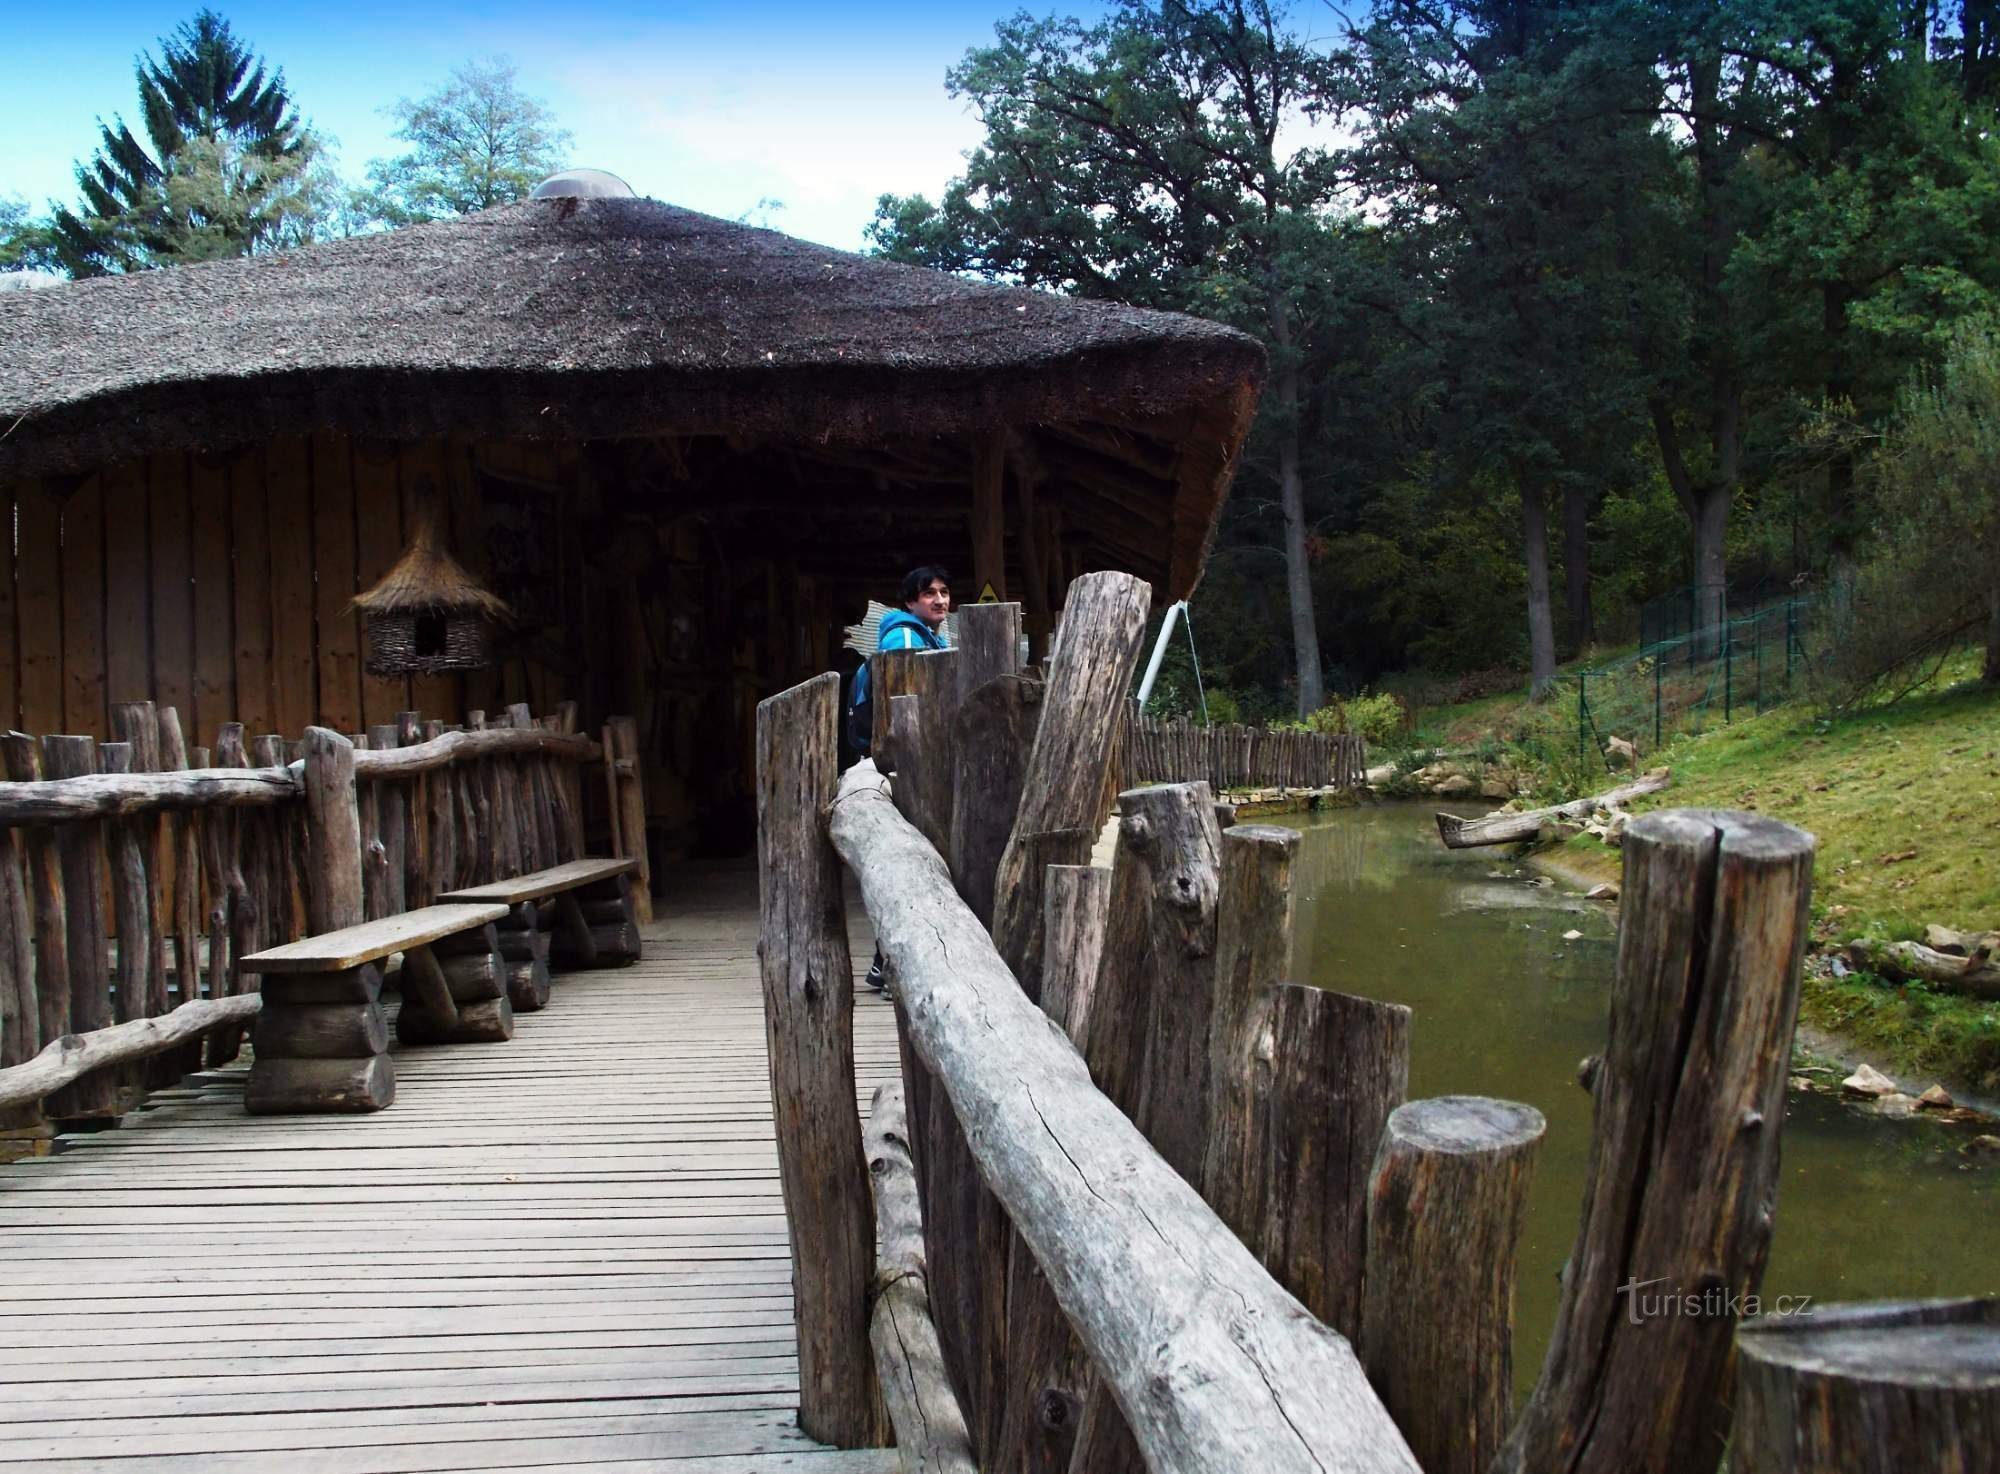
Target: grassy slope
x,y
1906,803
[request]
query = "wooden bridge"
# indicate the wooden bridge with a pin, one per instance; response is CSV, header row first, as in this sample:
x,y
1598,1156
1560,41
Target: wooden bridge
x,y
567,1251
1103,1191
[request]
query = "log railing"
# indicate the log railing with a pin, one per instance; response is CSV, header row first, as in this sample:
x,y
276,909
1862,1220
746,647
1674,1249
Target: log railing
x,y
134,873
1232,756
1175,1212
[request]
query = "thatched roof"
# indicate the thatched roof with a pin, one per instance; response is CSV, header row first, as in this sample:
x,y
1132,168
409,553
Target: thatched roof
x,y
428,577
577,318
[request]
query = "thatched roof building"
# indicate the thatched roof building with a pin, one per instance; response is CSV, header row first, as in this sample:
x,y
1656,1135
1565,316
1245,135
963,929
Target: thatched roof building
x,y
625,404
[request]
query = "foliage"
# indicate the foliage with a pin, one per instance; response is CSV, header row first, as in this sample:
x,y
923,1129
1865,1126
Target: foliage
x,y
228,172
1933,576
475,142
24,243
1379,718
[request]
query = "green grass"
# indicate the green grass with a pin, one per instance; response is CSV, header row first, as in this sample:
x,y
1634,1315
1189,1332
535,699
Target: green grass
x,y
1905,801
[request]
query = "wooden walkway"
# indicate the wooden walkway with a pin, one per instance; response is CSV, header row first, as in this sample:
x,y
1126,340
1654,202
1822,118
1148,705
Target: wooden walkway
x,y
562,1252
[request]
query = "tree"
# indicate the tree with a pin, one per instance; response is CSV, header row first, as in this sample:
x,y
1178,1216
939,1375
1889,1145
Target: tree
x,y
1140,160
475,142
1500,138
228,155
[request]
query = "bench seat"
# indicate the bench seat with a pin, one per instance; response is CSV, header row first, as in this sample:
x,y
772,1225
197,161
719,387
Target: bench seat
x,y
575,915
321,1040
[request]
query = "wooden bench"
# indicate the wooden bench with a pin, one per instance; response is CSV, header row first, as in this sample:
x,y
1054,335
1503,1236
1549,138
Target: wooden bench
x,y
575,915
321,1039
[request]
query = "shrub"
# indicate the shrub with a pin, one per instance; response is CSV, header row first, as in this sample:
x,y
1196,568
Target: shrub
x,y
1379,717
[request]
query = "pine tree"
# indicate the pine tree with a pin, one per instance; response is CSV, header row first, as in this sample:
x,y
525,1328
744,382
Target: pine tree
x,y
227,166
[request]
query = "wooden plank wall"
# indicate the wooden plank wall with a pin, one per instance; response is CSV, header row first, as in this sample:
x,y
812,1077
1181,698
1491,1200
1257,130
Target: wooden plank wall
x,y
219,585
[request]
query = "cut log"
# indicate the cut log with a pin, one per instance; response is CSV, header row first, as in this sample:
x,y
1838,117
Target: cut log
x,y
1446,1205
931,1435
1884,1388
1970,977
1213,1363
808,983
1465,834
75,1055
333,827
1690,1102
1077,908
473,977
361,984
996,729
528,986
296,1086
490,1021
320,1031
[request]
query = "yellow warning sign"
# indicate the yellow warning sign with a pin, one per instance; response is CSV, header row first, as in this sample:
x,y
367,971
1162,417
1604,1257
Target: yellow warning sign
x,y
987,596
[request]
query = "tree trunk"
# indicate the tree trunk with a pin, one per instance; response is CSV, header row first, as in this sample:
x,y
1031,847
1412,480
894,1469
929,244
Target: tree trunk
x,y
1576,566
1991,673
1711,572
1292,496
1541,627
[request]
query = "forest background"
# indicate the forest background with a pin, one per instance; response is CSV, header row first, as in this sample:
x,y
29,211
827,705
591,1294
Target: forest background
x,y
1569,305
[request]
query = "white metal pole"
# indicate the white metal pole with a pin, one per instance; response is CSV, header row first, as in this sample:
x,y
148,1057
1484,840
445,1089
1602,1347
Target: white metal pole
x,y
1160,650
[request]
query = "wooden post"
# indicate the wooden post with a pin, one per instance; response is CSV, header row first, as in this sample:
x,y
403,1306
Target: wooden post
x,y
1883,1388
927,703
808,1003
996,724
130,903
1684,1158
989,533
333,829
931,1436
1063,792
416,830
632,811
1149,1024
392,830
84,863
1446,1204
441,802
43,858
1077,909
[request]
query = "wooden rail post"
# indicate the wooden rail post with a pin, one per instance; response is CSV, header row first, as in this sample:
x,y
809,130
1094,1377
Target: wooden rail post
x,y
42,856
1684,1158
629,774
931,1435
808,1013
1446,1204
1881,1388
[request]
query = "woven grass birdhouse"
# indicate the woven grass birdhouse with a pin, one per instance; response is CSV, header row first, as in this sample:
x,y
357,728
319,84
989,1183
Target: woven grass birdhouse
x,y
427,614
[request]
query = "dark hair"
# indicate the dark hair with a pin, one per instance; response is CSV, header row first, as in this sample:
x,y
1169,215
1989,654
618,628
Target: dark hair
x,y
919,579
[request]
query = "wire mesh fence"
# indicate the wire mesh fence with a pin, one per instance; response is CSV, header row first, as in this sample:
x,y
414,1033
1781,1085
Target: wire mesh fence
x,y
1693,679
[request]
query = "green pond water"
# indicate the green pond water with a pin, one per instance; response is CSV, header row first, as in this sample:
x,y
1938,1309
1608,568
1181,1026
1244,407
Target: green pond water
x,y
1869,1208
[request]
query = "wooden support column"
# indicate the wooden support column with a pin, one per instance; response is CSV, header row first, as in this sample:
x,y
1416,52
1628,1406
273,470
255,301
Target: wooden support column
x,y
1446,1205
1883,1388
628,780
989,520
808,1007
461,999
84,865
1683,1172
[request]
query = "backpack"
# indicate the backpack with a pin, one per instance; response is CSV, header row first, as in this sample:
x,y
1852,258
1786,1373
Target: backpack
x,y
860,702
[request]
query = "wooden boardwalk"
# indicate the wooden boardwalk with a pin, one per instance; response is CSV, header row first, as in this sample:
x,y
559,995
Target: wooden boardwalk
x,y
563,1252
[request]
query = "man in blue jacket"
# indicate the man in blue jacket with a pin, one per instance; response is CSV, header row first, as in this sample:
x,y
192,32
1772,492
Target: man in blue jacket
x,y
918,625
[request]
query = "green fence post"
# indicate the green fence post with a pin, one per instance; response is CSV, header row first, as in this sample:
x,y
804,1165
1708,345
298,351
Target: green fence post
x,y
1659,662
1728,672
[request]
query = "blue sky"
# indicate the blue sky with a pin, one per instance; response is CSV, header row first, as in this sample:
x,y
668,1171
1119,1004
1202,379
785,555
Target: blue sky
x,y
711,105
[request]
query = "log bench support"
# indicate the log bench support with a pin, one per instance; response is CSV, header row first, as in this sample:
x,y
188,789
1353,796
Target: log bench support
x,y
321,1037
582,914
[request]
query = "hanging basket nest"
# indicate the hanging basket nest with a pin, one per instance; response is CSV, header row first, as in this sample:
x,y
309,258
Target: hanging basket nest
x,y
427,614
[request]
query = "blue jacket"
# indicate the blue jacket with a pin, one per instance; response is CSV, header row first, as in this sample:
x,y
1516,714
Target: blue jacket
x,y
899,630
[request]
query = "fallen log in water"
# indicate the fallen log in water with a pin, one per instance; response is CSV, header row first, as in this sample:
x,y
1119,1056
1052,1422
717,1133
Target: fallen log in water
x,y
1465,834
